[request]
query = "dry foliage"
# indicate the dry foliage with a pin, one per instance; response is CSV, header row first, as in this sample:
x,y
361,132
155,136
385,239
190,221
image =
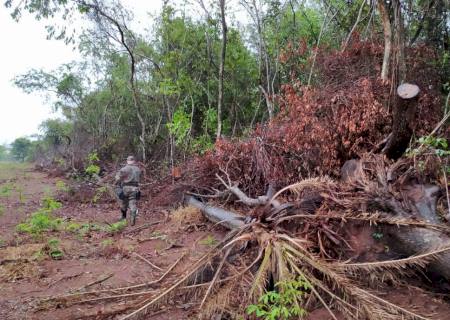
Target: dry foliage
x,y
186,215
319,128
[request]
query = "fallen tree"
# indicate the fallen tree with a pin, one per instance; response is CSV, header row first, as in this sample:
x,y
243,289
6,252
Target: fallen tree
x,y
298,237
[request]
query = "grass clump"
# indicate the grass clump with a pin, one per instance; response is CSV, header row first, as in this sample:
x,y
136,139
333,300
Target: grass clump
x,y
53,249
51,204
61,186
43,219
6,189
72,227
117,226
107,242
39,222
209,241
86,228
99,194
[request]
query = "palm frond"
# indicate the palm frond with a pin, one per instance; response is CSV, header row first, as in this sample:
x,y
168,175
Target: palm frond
x,y
319,183
374,219
261,277
420,261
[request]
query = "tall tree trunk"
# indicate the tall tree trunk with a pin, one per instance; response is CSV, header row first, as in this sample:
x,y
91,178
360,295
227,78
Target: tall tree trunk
x,y
387,39
400,59
221,68
263,58
358,19
123,29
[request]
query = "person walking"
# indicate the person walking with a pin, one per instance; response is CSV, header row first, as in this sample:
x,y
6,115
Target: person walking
x,y
127,181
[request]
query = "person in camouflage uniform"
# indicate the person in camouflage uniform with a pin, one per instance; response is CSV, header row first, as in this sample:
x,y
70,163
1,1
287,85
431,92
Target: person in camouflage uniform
x,y
127,180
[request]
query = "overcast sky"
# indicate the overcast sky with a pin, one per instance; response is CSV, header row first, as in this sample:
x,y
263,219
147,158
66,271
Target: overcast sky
x,y
24,46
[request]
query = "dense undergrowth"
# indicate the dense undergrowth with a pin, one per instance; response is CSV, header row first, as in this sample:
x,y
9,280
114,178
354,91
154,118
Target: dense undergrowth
x,y
321,126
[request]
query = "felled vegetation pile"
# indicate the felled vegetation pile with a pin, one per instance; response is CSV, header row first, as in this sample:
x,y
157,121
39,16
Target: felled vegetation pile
x,y
318,128
293,256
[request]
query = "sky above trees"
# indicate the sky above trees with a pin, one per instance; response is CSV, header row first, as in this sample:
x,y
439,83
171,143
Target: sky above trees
x,y
25,47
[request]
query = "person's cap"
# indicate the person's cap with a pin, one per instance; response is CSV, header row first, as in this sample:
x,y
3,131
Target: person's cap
x,y
130,158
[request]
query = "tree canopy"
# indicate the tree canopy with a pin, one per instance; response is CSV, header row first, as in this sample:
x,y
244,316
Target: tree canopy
x,y
21,148
159,93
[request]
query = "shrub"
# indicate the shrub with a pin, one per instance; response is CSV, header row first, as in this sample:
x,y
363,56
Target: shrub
x,y
117,227
92,169
40,221
51,204
54,250
282,304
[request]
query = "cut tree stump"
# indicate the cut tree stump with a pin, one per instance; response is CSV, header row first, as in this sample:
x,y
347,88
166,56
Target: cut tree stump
x,y
403,120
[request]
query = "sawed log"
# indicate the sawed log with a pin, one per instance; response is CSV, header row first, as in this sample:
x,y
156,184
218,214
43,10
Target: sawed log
x,y
225,218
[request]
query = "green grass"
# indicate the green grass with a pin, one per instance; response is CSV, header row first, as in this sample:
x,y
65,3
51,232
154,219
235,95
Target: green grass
x,y
9,170
42,220
209,241
72,227
54,251
99,193
87,228
21,195
117,227
107,242
6,189
39,222
2,209
50,204
61,186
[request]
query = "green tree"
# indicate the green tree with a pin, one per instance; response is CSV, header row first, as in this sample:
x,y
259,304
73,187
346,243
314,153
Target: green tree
x,y
4,153
21,148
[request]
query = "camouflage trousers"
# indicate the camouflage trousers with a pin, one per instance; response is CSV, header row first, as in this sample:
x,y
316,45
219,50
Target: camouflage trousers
x,y
130,198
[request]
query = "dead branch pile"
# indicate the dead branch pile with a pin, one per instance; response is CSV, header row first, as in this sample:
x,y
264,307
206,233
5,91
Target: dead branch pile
x,y
300,234
319,128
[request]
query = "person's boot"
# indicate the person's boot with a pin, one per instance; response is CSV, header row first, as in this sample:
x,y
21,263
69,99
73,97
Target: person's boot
x,y
124,214
133,216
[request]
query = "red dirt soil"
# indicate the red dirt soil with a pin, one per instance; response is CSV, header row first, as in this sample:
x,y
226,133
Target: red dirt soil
x,y
95,255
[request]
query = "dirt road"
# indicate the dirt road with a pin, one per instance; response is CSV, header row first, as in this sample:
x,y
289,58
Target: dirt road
x,y
88,246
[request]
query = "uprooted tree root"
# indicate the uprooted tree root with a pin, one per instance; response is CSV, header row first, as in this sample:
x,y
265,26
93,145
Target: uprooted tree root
x,y
282,244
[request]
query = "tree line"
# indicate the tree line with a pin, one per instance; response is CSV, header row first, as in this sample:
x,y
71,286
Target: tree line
x,y
202,72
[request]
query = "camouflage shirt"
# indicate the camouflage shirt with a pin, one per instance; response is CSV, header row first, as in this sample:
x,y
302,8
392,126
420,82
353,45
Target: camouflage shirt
x,y
129,175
